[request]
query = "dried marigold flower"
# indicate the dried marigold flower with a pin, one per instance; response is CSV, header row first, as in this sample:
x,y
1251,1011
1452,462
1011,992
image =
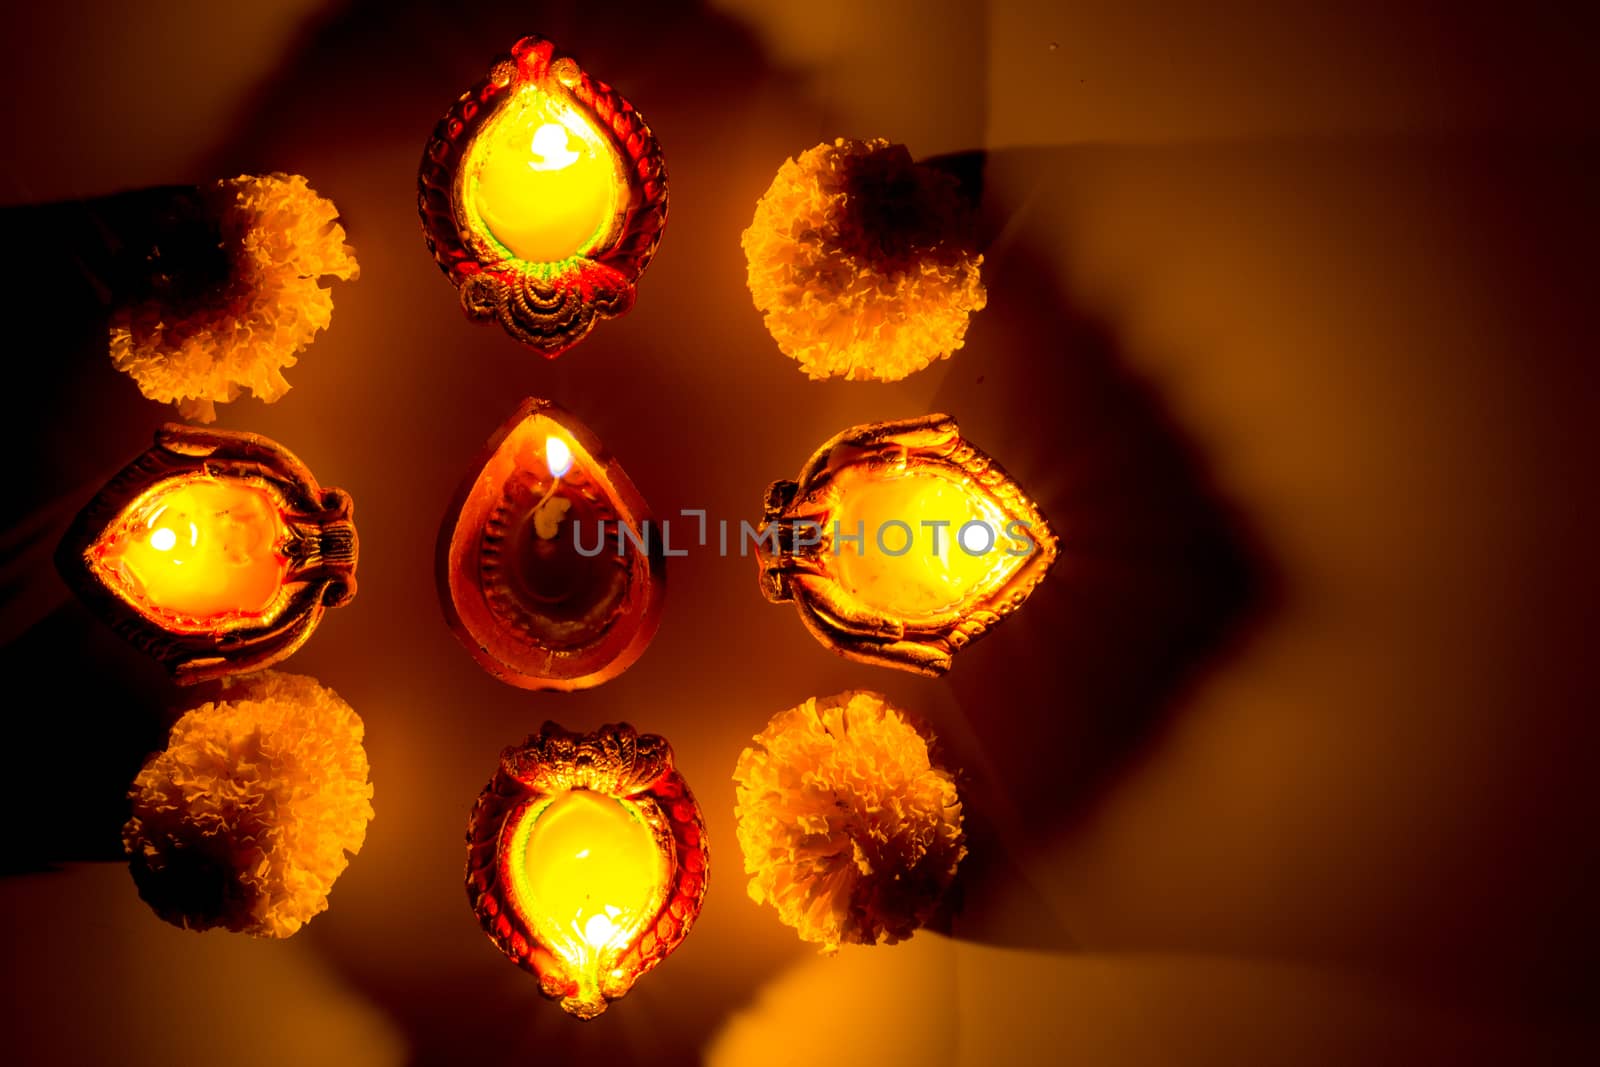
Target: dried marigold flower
x,y
240,297
860,262
244,820
847,826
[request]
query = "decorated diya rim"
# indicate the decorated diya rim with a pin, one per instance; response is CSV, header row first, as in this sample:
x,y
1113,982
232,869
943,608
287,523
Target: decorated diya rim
x,y
792,570
320,544
615,761
549,306
465,603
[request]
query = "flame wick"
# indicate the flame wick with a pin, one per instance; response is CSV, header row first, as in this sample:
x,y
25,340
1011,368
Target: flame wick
x,y
557,456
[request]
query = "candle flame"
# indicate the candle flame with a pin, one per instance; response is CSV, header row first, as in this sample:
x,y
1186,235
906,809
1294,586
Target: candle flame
x,y
557,456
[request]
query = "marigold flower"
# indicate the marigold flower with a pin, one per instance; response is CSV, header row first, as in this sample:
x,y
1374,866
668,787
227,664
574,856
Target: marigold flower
x,y
847,826
233,316
859,260
244,820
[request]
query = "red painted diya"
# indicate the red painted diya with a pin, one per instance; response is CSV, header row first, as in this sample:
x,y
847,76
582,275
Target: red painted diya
x,y
586,861
214,552
543,195
547,568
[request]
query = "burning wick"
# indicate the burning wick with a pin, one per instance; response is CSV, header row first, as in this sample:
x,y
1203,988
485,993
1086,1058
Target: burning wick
x,y
558,458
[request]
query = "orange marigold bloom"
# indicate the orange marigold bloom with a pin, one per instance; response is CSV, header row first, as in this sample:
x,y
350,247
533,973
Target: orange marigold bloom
x,y
859,260
244,820
199,341
847,826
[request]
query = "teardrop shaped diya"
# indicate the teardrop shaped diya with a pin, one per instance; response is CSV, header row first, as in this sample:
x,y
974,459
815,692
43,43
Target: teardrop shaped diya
x,y
586,860
548,569
901,542
543,195
215,552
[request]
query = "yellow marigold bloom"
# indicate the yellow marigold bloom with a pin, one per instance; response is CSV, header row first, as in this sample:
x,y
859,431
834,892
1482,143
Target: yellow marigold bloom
x,y
847,826
199,341
858,261
244,821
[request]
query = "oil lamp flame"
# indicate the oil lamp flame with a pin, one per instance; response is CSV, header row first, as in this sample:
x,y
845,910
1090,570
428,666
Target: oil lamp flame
x,y
551,149
530,603
557,456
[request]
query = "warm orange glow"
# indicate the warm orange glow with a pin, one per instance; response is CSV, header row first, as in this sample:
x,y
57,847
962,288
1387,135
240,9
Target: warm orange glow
x,y
197,553
945,563
543,181
589,874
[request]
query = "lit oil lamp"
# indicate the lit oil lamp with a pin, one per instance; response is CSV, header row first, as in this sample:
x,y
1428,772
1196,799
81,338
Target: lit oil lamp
x,y
586,861
543,194
214,552
900,542
547,569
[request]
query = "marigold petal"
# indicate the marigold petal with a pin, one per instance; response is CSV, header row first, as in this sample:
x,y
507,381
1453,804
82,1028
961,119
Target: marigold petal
x,y
847,826
858,261
279,238
244,821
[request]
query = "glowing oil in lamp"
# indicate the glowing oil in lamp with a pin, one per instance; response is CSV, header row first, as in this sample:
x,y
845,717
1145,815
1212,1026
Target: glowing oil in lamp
x,y
197,553
590,874
586,860
901,542
544,181
536,574
928,544
543,194
215,552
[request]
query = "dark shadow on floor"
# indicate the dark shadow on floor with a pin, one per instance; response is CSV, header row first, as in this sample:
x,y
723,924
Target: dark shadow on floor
x,y
97,709
1158,577
87,708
